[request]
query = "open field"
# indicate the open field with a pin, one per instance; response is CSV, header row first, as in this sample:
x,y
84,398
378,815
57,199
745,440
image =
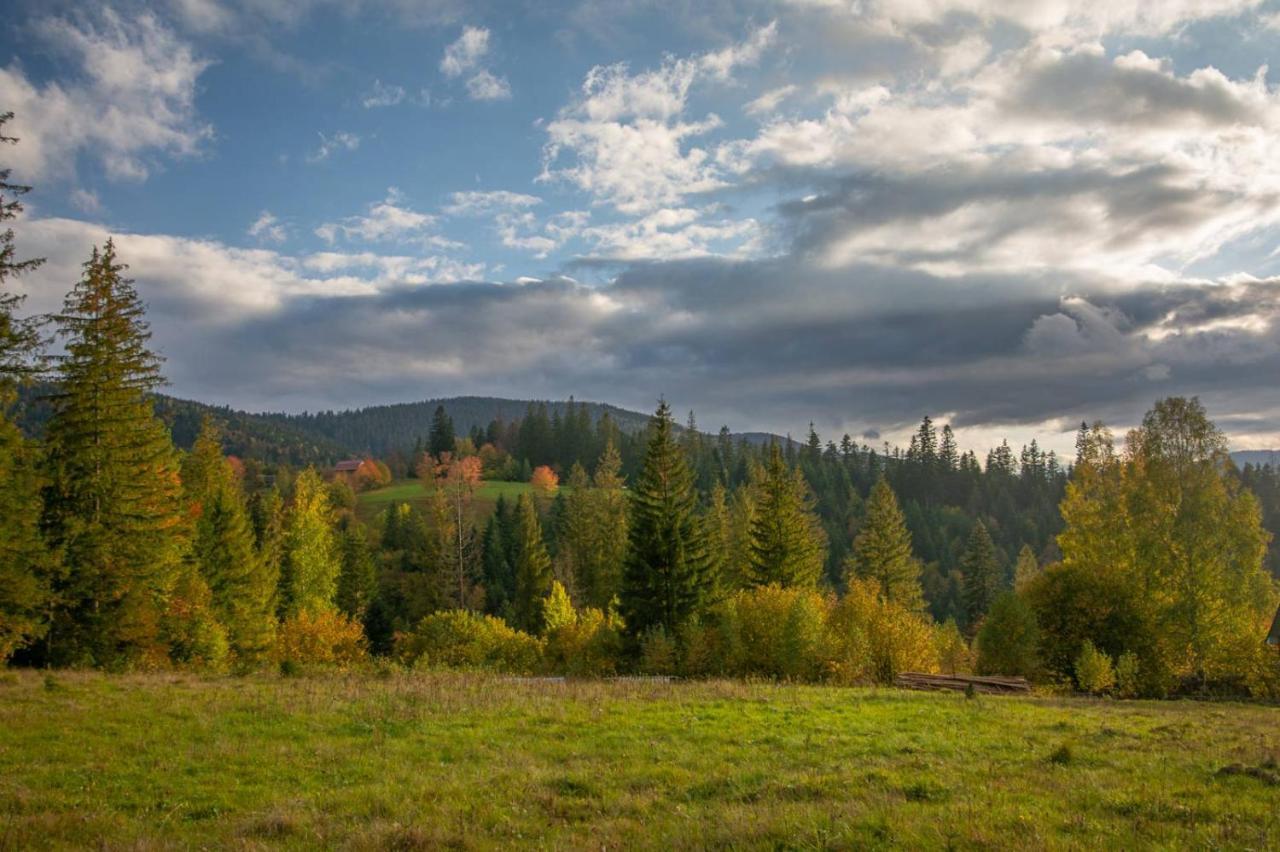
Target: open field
x,y
370,503
407,761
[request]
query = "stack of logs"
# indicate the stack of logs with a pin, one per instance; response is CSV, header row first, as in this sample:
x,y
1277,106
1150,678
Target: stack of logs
x,y
962,683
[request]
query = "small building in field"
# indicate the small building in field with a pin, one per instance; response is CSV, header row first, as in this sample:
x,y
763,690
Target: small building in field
x,y
1273,638
348,467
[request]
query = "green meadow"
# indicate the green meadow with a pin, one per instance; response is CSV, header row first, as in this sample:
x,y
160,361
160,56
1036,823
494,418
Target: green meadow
x,y
370,503
401,760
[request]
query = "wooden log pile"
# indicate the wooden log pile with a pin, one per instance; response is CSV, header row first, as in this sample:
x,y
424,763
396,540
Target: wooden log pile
x,y
991,685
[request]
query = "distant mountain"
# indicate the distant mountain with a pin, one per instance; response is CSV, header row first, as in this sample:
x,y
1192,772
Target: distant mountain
x,y
1257,458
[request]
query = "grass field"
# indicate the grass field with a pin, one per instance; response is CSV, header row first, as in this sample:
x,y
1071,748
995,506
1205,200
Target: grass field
x,y
370,503
407,761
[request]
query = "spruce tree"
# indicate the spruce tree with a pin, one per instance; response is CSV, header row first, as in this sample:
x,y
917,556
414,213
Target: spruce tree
x,y
113,503
981,575
242,585
440,440
497,566
882,550
25,563
358,580
532,567
668,573
787,544
309,575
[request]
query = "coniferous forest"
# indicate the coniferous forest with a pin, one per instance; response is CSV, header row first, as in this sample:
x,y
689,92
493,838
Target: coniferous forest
x,y
1137,568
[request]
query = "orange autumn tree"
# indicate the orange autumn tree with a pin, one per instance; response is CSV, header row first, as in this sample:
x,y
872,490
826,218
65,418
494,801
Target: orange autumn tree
x,y
544,481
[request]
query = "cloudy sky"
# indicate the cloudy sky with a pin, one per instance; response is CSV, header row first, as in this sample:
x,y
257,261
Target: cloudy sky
x,y
1009,216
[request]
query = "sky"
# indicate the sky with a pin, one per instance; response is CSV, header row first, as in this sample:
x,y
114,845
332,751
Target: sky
x,y
1010,217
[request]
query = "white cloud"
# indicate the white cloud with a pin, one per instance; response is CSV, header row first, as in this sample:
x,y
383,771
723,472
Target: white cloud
x,y
483,203
389,220
132,98
382,95
340,141
484,86
627,135
465,54
769,101
268,229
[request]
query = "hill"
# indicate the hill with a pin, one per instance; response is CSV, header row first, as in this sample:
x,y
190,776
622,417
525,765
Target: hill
x,y
1257,458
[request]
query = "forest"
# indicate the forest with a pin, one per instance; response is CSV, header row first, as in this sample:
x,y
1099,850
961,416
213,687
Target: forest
x,y
135,536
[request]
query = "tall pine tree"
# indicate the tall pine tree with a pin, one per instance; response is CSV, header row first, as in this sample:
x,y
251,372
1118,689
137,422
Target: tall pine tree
x,y
981,575
113,503
24,562
532,567
668,573
787,543
882,550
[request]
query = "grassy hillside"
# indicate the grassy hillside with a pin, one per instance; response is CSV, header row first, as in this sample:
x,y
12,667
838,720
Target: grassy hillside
x,y
419,761
370,503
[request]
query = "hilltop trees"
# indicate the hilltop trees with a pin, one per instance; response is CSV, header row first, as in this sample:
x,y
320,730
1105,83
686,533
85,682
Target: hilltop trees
x,y
113,503
787,543
667,576
440,439
882,550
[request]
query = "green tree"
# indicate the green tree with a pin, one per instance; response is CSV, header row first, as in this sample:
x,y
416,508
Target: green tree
x,y
532,567
498,564
667,577
312,563
1009,639
788,546
358,579
440,439
981,575
113,504
242,585
1026,569
882,550
25,563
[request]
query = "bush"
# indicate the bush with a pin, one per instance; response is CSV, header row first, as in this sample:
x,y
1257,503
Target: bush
x,y
457,639
874,639
954,654
1127,683
1009,639
323,638
781,632
586,643
1094,673
658,652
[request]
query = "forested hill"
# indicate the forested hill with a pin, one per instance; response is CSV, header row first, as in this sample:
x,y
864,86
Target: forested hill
x,y
382,429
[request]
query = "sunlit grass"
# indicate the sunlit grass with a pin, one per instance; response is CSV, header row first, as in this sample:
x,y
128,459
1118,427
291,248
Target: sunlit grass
x,y
411,491
420,760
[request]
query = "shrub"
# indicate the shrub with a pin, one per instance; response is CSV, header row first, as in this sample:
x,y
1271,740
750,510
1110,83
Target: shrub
x,y
586,643
457,639
1127,683
954,654
781,632
890,637
658,652
1094,673
321,638
1009,639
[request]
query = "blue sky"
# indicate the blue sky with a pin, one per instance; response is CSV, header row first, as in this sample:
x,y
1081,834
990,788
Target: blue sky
x,y
1007,216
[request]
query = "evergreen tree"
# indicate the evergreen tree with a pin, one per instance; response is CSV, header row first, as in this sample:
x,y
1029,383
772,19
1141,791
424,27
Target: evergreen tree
x,y
242,585
113,503
358,580
1026,569
787,543
440,439
532,567
498,567
667,577
882,550
981,575
309,575
25,564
